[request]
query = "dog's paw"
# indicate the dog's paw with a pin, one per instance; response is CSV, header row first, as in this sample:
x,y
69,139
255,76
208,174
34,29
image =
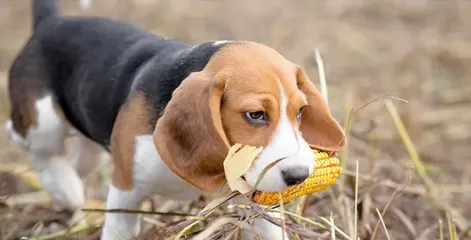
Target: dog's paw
x,y
63,184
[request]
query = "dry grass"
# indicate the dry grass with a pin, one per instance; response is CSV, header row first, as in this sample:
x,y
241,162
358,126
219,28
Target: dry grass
x,y
413,181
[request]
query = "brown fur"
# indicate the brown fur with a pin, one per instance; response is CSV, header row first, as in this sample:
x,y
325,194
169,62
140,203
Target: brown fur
x,y
23,98
195,132
189,136
132,120
318,126
24,90
24,114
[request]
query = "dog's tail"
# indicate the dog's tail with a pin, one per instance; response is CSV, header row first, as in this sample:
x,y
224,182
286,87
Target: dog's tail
x,y
43,9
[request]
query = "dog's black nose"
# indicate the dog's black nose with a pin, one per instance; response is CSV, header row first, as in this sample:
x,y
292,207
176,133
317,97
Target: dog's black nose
x,y
295,175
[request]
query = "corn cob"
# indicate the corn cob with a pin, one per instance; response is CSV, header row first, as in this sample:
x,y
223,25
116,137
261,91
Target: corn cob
x,y
326,171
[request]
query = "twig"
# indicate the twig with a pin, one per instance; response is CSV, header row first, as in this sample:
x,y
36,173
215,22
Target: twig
x,y
440,222
264,171
455,234
314,223
320,65
346,127
119,210
332,229
282,217
384,225
336,228
344,159
355,225
451,234
355,111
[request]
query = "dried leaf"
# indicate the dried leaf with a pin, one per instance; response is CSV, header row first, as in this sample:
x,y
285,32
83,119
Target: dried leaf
x,y
242,186
238,161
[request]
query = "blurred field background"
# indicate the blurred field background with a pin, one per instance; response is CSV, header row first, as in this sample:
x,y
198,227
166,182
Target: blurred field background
x,y
419,51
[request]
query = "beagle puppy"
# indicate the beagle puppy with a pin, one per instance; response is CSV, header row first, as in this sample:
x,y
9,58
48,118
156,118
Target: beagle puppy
x,y
167,112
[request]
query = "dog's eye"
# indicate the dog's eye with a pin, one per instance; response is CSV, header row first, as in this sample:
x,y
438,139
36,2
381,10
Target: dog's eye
x,y
259,115
300,113
256,118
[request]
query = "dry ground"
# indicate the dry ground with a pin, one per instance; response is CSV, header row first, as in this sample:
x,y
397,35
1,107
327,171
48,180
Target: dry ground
x,y
419,51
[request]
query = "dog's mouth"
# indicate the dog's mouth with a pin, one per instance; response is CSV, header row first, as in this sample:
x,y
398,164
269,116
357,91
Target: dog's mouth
x,y
326,171
269,179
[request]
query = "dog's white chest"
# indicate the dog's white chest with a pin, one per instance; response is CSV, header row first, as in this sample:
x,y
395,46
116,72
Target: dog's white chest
x,y
152,174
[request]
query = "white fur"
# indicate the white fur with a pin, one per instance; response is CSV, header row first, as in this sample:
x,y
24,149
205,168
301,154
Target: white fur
x,y
61,181
286,142
151,176
85,4
217,43
48,136
44,144
120,225
149,168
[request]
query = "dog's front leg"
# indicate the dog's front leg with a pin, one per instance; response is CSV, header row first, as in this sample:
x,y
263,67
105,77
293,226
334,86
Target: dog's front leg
x,y
122,225
145,174
150,176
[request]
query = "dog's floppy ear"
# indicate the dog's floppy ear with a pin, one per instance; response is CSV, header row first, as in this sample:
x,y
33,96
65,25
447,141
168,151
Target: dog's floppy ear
x,y
318,127
189,136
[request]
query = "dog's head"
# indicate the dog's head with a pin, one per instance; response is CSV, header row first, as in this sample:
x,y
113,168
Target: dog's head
x,y
248,94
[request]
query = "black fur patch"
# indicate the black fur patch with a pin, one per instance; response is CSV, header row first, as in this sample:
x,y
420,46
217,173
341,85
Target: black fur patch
x,y
93,63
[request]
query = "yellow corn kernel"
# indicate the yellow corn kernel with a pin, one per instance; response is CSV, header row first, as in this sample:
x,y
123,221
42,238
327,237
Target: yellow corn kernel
x,y
326,171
